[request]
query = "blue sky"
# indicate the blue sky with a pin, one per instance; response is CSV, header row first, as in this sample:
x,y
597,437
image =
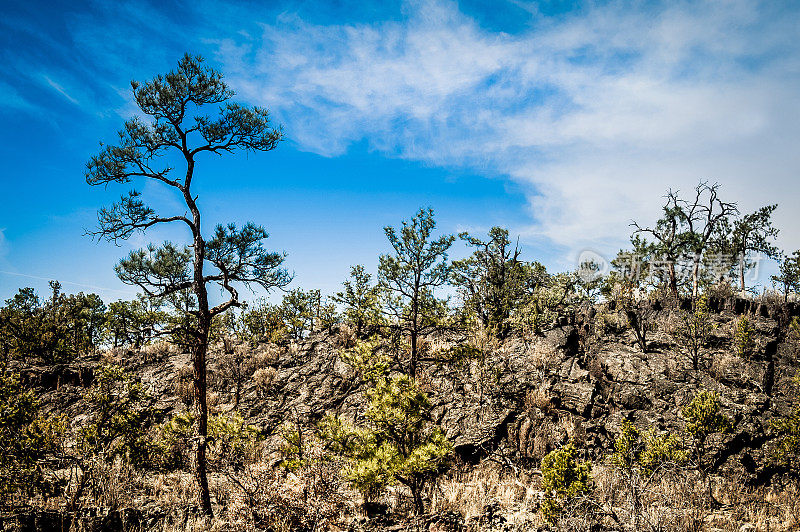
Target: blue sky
x,y
562,121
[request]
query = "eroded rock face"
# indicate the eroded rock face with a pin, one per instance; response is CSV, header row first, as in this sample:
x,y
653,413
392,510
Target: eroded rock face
x,y
527,397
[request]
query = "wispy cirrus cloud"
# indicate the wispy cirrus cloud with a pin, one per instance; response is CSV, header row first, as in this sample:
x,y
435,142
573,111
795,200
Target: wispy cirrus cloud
x,y
596,113
59,89
3,243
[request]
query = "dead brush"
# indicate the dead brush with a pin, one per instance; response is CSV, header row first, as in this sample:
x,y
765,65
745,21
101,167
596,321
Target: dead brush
x,y
263,495
183,386
469,492
115,355
725,364
762,508
266,355
539,398
158,351
671,499
294,350
111,485
436,349
346,336
542,356
264,378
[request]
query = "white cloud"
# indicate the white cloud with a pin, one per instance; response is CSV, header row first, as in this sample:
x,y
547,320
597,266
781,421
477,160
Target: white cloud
x,y
59,89
597,113
3,243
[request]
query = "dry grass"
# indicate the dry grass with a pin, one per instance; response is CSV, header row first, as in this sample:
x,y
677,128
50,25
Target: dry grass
x,y
264,496
183,386
346,336
470,492
672,501
542,356
678,500
158,351
539,398
266,355
264,378
725,364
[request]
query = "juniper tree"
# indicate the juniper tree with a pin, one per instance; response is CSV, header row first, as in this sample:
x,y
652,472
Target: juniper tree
x,y
54,330
28,440
298,310
701,217
667,246
752,233
122,412
132,322
179,132
639,313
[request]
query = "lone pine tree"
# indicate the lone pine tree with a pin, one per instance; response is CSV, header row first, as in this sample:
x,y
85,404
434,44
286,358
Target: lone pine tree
x,y
179,133
411,275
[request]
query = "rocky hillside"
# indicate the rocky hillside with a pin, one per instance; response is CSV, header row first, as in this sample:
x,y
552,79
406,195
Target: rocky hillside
x,y
511,402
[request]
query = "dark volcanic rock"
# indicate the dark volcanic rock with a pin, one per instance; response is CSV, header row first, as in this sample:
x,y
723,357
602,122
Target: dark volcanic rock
x,y
526,398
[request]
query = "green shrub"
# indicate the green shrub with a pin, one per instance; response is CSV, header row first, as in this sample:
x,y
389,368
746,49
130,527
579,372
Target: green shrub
x,y
704,418
661,450
550,298
294,447
27,438
232,442
641,458
564,479
743,337
367,357
122,412
787,430
646,452
399,444
693,331
627,448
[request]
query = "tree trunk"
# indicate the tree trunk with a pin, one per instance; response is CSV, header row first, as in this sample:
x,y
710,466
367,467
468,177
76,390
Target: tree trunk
x,y
414,331
200,428
416,491
673,282
238,396
203,314
695,276
741,273
412,370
